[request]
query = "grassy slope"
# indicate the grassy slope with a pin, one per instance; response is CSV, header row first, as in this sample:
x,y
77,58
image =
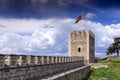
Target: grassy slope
x,y
111,73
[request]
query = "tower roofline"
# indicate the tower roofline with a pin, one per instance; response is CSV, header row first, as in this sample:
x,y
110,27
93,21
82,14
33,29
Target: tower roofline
x,y
82,32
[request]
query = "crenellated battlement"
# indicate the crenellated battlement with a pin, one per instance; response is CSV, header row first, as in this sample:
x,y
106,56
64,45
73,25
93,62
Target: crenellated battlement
x,y
81,33
78,33
25,60
28,67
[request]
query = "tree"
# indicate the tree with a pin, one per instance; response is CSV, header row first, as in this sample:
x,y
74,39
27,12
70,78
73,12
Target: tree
x,y
114,47
110,50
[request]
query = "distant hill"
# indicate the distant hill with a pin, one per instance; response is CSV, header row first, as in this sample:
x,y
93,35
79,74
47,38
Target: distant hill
x,y
113,58
117,58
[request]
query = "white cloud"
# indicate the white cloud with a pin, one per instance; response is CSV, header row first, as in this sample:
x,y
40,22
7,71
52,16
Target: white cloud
x,y
50,36
90,16
115,26
23,25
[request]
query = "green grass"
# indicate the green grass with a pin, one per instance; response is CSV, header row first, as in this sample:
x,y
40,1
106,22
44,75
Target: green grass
x,y
110,73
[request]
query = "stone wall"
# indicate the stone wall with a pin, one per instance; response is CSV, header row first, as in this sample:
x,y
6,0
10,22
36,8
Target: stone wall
x,y
22,67
38,72
72,70
74,74
1,60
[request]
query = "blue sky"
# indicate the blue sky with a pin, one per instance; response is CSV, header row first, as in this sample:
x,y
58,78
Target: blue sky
x,y
105,10
41,27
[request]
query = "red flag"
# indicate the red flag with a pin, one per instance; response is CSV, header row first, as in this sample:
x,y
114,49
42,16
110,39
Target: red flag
x,y
78,19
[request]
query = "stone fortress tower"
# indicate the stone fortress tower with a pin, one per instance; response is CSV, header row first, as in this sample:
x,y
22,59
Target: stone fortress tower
x,y
82,43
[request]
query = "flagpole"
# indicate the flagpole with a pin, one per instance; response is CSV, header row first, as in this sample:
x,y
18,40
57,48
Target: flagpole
x,y
82,20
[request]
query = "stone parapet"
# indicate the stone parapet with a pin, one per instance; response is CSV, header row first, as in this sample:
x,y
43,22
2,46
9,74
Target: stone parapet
x,y
25,60
37,72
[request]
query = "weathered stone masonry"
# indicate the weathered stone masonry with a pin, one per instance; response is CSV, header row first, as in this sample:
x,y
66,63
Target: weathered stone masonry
x,y
81,43
22,67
